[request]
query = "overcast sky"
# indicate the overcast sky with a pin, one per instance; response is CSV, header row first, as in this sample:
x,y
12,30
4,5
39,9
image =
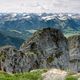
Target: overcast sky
x,y
40,6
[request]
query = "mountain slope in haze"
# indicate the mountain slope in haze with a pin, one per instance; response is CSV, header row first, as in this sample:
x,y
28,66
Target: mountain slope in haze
x,y
8,40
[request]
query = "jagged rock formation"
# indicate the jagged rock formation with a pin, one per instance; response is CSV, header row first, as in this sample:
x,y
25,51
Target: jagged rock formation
x,y
50,47
47,48
12,60
74,52
6,55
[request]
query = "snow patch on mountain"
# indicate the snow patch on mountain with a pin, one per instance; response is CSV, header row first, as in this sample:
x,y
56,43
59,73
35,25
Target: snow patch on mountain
x,y
48,17
31,31
16,31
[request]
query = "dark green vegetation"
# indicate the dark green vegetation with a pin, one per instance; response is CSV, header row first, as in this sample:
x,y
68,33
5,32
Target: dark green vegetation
x,y
71,78
50,59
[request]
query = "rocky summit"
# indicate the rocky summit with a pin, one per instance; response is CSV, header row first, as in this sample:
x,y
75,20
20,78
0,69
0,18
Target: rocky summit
x,y
50,47
47,48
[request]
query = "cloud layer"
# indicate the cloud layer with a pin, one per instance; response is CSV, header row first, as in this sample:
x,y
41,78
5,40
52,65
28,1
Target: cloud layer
x,y
40,6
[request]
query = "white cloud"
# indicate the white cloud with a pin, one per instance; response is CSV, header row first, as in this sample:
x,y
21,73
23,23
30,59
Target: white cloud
x,y
38,6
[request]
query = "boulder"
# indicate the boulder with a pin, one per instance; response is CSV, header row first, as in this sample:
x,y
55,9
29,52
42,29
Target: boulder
x,y
55,74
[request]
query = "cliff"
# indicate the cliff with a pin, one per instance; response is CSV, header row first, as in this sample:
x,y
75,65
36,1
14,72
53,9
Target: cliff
x,y
47,48
74,52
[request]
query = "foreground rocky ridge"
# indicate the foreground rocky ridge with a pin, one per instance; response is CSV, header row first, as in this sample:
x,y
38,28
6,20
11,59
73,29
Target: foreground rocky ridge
x,y
47,48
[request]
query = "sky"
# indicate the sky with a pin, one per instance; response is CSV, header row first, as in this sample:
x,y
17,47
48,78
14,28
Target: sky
x,y
40,6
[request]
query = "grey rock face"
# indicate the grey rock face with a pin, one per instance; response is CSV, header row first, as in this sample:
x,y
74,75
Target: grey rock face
x,y
6,55
47,48
74,52
12,60
50,47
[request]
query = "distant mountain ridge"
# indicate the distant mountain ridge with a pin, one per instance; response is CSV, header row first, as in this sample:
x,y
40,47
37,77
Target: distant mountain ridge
x,y
23,25
22,22
8,40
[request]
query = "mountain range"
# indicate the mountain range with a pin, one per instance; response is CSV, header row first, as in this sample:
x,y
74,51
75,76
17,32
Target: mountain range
x,y
23,25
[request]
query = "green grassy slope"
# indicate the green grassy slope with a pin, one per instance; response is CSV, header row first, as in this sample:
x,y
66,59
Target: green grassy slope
x,y
33,75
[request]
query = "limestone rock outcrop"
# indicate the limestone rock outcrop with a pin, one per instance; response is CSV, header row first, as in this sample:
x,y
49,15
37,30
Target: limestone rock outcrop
x,y
12,60
50,47
6,58
74,52
47,48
